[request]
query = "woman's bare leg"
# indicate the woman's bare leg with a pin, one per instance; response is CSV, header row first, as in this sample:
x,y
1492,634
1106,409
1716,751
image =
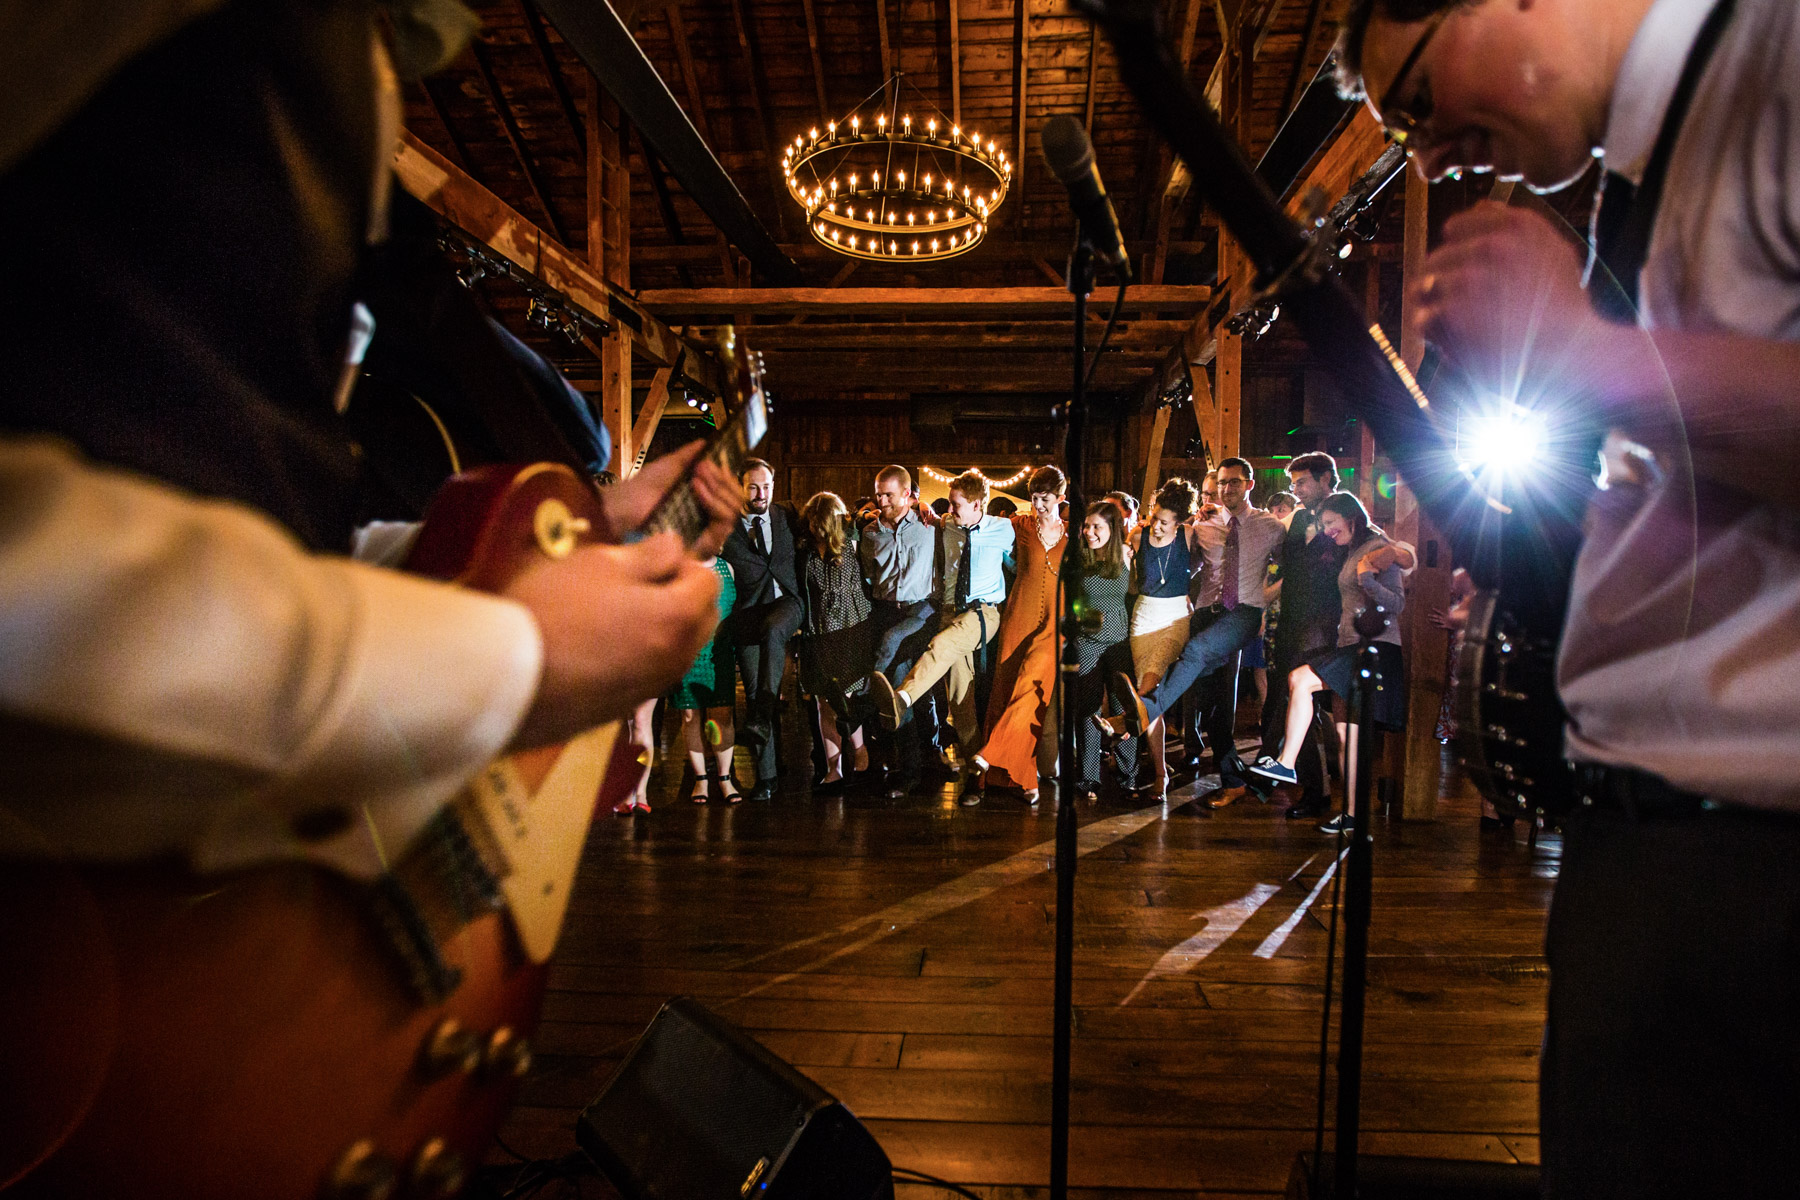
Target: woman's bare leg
x,y
645,734
832,739
1302,686
723,737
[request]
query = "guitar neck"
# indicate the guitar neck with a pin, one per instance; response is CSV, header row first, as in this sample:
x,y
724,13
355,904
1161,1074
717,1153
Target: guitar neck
x,y
680,511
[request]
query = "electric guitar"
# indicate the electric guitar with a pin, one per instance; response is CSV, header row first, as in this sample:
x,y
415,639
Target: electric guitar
x,y
1511,726
288,1033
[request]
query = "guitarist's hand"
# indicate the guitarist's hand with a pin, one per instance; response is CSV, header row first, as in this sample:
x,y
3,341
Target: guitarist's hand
x,y
620,624
1503,293
627,504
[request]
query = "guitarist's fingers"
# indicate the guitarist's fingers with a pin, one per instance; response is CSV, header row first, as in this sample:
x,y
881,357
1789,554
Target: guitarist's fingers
x,y
656,559
721,498
628,503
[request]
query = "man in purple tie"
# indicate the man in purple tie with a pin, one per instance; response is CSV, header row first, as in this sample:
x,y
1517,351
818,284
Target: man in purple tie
x,y
1240,541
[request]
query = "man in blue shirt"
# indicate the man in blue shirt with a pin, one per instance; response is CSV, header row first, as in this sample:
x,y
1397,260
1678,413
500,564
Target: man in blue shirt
x,y
972,582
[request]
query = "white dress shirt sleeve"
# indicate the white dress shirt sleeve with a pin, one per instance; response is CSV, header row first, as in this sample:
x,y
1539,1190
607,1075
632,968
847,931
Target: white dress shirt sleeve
x,y
183,678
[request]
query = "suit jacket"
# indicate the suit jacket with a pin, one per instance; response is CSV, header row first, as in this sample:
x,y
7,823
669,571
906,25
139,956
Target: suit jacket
x,y
754,571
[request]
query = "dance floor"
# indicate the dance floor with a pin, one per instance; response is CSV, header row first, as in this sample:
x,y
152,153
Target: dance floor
x,y
899,953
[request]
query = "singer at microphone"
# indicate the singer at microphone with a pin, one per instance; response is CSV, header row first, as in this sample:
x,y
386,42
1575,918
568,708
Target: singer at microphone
x,y
1070,155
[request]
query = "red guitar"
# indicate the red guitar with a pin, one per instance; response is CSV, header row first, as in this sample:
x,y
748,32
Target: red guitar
x,y
287,1033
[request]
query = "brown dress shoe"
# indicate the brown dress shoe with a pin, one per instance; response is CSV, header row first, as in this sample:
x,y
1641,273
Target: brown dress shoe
x,y
1227,796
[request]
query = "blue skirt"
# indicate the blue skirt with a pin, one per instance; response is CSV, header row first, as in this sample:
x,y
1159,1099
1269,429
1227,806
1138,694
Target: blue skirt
x,y
1385,690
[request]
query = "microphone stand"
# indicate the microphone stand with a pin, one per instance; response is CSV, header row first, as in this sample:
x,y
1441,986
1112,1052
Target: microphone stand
x,y
1080,284
1359,868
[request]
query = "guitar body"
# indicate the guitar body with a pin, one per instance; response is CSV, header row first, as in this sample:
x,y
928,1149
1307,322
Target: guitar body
x,y
285,1032
237,1035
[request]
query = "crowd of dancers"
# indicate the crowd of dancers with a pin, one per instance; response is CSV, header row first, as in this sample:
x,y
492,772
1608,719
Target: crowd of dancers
x,y
928,636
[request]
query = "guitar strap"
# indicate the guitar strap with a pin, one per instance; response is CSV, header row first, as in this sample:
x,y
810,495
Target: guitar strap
x,y
1625,215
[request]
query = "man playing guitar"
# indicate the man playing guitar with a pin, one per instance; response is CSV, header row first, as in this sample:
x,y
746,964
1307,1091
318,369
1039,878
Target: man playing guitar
x,y
197,676
1672,1061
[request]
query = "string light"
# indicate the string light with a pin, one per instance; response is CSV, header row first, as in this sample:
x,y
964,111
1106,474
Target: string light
x,y
1016,477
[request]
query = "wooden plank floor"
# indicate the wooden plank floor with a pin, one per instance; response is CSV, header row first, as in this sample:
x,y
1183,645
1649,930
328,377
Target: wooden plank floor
x,y
900,955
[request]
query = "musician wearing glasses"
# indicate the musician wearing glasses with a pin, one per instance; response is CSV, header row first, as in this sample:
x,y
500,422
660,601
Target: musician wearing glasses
x,y
1672,1062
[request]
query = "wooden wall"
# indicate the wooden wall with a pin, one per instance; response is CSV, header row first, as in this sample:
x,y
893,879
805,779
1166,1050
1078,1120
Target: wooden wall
x,y
837,443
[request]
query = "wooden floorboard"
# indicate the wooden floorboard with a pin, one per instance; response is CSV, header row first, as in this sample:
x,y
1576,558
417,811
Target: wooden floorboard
x,y
900,955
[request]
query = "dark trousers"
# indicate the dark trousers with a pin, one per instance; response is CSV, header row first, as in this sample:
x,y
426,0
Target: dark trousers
x,y
762,633
1311,765
1216,699
1672,1058
1215,637
904,630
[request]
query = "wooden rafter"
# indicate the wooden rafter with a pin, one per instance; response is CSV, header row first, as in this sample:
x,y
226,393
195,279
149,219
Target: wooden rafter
x,y
952,8
764,128
887,49
1006,302
665,204
1008,253
450,192
818,63
484,70
1093,73
458,152
690,78
1021,67
540,42
650,416
1297,72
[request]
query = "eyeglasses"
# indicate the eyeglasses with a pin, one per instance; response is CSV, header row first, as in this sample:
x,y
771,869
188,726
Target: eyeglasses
x,y
1404,121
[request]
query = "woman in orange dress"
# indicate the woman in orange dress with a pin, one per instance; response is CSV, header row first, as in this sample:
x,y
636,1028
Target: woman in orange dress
x,y
1021,721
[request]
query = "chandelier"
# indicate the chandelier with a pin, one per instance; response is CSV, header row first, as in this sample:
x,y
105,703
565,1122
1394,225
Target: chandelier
x,y
881,186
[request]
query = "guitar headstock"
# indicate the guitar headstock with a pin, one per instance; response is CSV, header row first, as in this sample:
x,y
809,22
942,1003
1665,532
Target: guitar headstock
x,y
746,425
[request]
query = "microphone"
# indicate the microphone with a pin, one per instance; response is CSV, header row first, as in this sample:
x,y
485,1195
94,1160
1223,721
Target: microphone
x,y
1070,155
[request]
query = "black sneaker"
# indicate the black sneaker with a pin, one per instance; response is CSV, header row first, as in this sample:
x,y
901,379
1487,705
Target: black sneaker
x,y
972,796
1338,824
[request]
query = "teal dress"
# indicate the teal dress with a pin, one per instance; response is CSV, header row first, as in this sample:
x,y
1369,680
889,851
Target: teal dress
x,y
712,681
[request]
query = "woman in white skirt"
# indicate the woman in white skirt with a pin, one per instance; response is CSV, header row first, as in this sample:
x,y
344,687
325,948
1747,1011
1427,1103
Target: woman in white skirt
x,y
1168,557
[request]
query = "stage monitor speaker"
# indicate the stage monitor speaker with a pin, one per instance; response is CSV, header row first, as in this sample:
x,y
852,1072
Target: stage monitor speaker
x,y
700,1111
1383,1177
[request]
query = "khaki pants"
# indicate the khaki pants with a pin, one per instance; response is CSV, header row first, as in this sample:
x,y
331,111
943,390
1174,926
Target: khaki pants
x,y
951,657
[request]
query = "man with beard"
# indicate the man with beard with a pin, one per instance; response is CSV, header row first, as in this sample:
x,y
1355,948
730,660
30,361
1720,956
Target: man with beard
x,y
760,551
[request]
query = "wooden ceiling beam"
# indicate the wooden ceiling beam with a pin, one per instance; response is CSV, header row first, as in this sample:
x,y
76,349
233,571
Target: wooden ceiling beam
x,y
597,35
484,70
1149,336
887,303
952,7
1021,68
887,50
995,253
690,78
458,151
765,128
455,196
540,42
1093,71
1314,13
818,63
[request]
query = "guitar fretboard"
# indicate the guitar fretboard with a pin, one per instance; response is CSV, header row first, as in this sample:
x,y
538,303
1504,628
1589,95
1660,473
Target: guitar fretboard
x,y
680,511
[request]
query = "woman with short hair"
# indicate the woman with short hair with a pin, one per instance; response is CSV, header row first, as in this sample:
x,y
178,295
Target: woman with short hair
x,y
1373,595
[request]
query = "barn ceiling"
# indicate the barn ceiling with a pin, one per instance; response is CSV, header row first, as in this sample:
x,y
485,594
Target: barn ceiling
x,y
751,74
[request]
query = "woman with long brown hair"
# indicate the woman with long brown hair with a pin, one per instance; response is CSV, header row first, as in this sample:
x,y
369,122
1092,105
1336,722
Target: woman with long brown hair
x,y
838,643
1021,718
1103,621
